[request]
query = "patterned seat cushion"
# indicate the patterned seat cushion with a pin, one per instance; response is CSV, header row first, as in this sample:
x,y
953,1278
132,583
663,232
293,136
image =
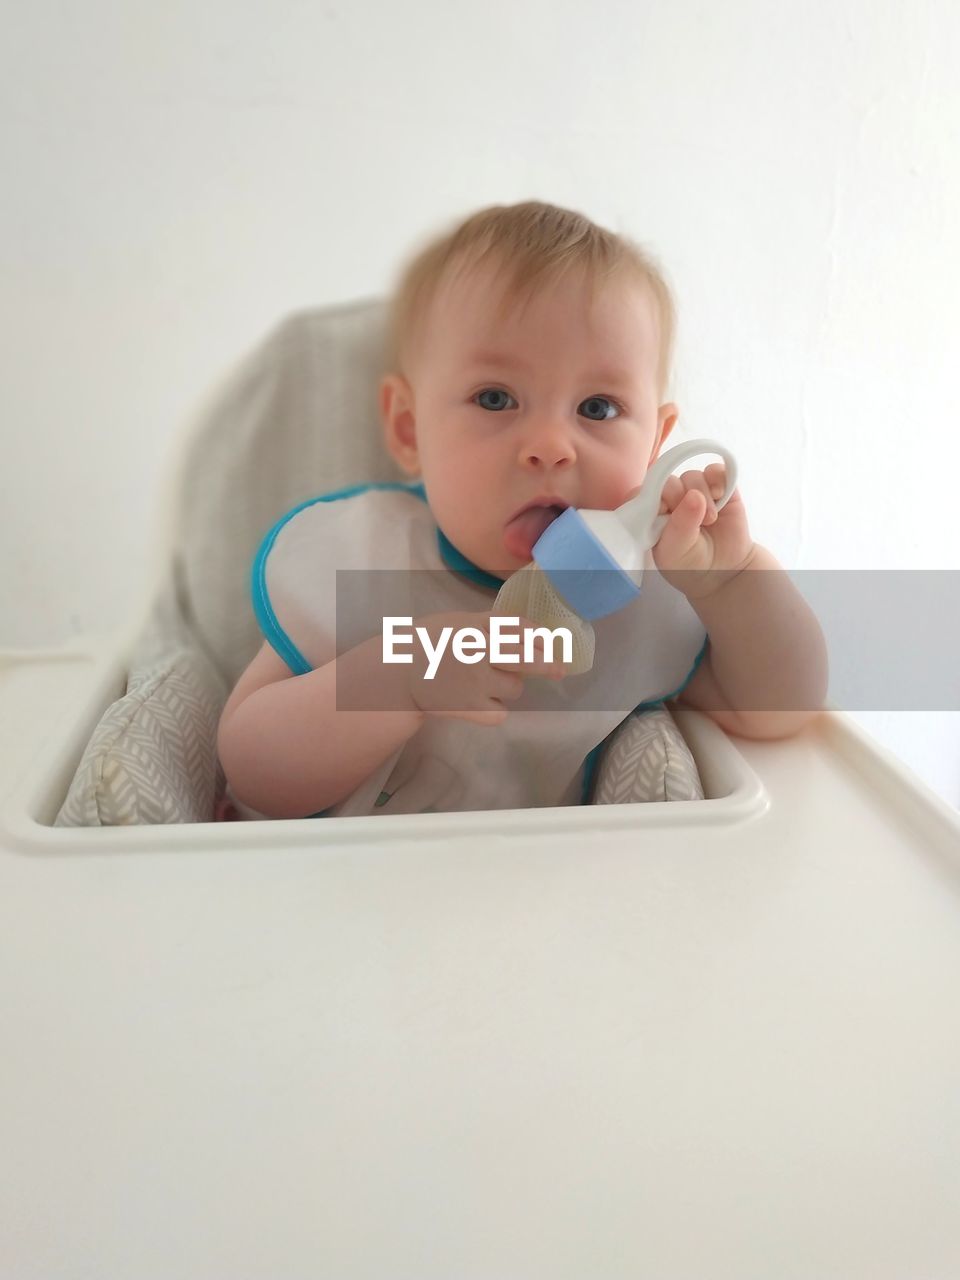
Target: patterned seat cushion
x,y
153,756
647,759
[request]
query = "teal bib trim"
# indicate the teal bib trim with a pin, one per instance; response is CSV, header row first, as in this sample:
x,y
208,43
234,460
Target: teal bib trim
x,y
262,607
459,563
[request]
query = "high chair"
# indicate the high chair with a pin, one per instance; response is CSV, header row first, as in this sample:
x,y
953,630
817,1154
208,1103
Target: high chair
x,y
662,1036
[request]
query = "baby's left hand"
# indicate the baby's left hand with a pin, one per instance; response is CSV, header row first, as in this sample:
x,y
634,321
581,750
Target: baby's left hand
x,y
701,548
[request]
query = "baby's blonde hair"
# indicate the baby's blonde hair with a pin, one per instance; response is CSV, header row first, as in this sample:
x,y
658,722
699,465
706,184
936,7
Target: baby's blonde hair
x,y
530,245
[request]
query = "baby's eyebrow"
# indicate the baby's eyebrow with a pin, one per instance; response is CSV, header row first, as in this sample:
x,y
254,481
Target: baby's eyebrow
x,y
495,357
505,361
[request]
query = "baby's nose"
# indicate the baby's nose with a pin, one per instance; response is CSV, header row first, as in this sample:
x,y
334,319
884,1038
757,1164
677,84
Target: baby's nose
x,y
547,445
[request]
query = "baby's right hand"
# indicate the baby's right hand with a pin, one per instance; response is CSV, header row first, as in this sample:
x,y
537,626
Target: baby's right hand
x,y
473,691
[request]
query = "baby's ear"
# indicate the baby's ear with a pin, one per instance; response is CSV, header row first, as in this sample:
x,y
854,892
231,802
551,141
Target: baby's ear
x,y
667,416
399,423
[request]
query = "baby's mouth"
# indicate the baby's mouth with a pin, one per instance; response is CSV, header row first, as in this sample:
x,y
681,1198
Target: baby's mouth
x,y
524,530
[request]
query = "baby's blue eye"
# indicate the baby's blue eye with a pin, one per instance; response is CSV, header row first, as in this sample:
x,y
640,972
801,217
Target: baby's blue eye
x,y
596,408
597,402
492,391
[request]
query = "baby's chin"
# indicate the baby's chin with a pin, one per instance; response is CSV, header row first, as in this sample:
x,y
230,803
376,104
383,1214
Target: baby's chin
x,y
500,564
488,556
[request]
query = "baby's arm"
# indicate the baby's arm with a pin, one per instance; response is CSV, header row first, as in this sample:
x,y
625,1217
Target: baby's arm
x,y
287,750
765,673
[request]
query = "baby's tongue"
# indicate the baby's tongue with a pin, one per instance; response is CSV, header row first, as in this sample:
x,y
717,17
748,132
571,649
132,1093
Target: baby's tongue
x,y
524,530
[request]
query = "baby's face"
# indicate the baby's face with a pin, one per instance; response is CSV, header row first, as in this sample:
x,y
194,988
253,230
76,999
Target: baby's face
x,y
509,421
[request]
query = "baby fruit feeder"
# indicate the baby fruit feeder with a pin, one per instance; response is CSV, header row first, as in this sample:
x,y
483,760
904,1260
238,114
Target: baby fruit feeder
x,y
589,563
578,543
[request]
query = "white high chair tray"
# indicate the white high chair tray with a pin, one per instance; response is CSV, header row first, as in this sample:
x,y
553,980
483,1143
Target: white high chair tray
x,y
706,1039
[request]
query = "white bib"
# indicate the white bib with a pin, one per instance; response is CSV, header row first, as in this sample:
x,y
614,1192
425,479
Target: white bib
x,y
645,653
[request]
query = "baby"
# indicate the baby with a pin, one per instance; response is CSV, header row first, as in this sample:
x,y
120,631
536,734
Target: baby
x,y
528,361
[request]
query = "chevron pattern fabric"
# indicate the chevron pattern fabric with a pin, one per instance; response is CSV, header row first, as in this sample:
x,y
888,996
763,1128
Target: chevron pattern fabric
x,y
647,759
153,756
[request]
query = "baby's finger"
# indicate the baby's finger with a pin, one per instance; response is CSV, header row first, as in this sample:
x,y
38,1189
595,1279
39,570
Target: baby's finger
x,y
671,494
505,685
682,532
698,481
539,667
716,475
523,651
525,640
546,657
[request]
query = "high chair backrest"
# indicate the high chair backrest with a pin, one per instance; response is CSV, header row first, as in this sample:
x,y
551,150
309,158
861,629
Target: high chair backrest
x,y
298,418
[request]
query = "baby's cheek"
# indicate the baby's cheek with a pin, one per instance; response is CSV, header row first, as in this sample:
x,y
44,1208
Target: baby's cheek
x,y
460,513
622,490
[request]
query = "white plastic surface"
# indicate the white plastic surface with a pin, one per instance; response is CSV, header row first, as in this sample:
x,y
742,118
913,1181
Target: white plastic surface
x,y
717,1039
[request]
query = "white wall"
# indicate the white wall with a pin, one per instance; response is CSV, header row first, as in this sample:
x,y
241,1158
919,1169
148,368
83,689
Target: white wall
x,y
176,177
